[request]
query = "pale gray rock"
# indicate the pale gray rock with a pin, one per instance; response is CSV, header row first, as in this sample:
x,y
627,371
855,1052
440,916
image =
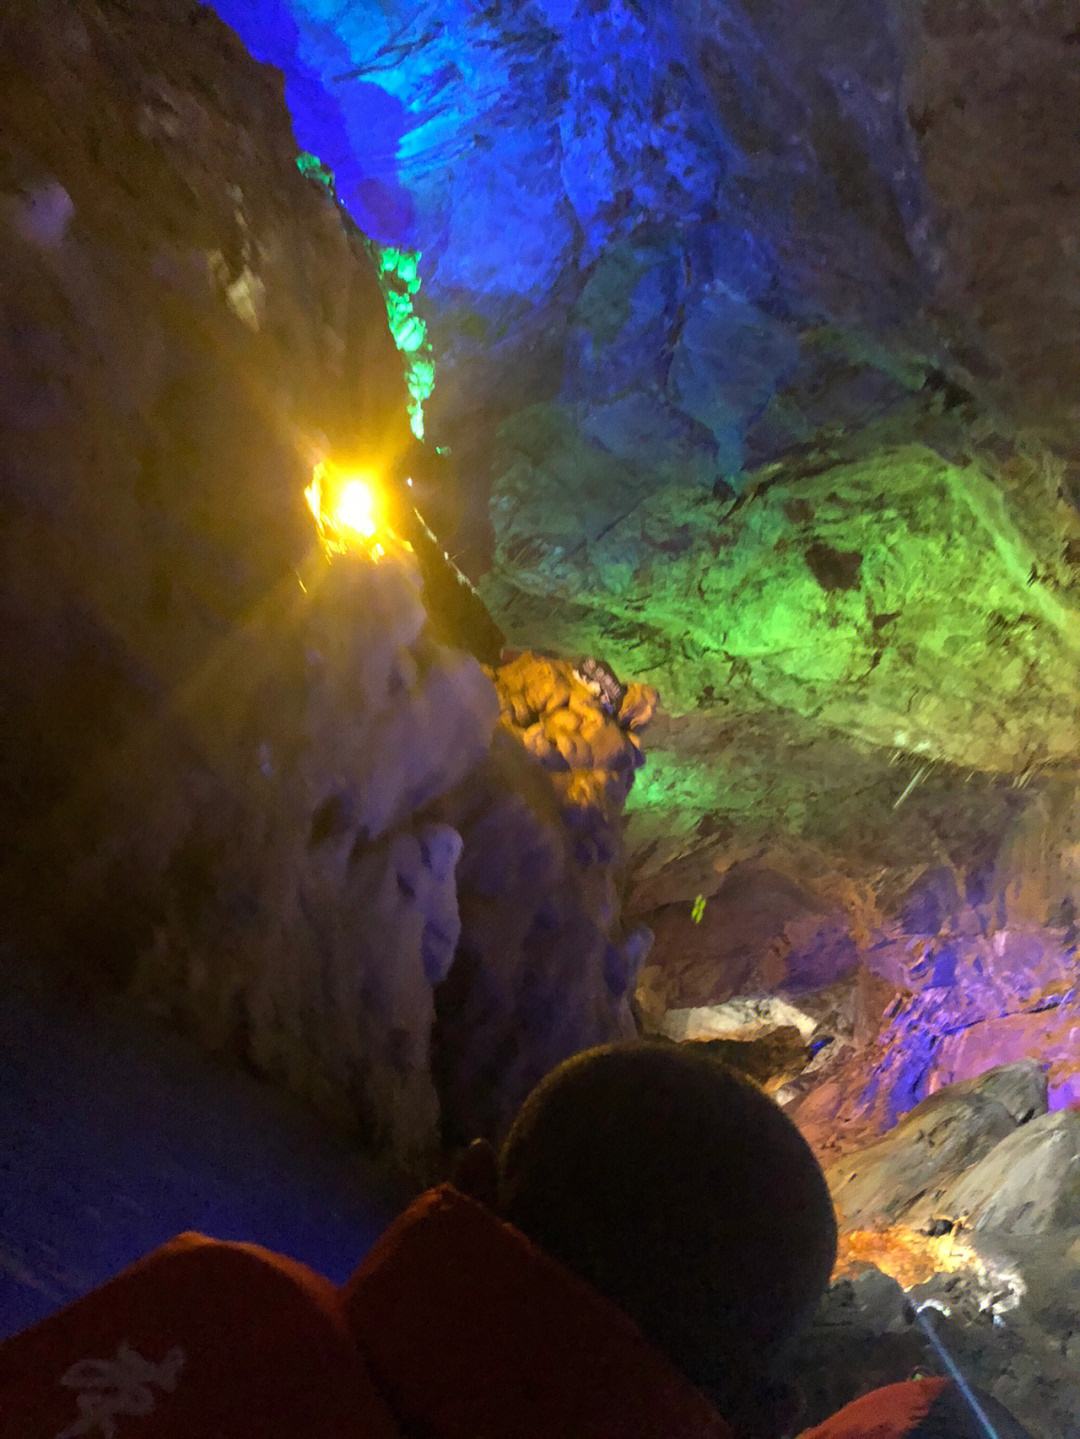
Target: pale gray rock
x,y
916,1161
1027,1184
1021,1088
742,1019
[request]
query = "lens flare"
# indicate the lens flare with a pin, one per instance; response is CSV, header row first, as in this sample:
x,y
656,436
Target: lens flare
x,y
346,510
354,509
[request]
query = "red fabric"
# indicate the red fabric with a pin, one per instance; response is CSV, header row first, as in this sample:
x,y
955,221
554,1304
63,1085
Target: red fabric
x,y
199,1340
891,1413
465,1329
471,1332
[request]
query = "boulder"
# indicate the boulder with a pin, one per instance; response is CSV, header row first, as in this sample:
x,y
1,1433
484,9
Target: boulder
x,y
1006,1314
740,1020
860,1340
1027,1184
863,1339
914,1163
1021,1088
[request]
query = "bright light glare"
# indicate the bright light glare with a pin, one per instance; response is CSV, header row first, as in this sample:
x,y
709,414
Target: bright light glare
x,y
354,508
346,510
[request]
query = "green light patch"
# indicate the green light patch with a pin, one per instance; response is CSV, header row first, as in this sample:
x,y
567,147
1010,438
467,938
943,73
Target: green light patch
x,y
399,277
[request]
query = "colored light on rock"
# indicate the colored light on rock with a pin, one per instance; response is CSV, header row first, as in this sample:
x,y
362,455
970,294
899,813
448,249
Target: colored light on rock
x,y
312,168
913,1258
399,276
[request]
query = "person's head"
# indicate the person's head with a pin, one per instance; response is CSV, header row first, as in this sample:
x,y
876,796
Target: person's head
x,y
679,1190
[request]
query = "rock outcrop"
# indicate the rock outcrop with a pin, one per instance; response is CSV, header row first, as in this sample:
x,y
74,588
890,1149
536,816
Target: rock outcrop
x,y
756,326
1027,1184
971,1206
908,1173
544,966
240,779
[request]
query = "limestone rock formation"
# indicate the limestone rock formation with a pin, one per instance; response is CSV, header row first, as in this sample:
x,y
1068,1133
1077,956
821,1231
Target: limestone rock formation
x,y
754,329
186,319
545,967
864,1338
750,327
242,779
754,326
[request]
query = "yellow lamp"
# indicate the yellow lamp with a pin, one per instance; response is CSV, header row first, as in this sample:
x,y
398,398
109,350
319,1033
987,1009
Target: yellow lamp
x,y
354,508
346,509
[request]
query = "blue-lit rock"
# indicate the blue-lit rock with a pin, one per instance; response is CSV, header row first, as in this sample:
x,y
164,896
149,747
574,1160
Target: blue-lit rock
x,y
743,176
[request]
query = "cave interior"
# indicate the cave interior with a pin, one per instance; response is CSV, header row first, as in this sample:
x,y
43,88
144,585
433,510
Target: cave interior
x,y
530,525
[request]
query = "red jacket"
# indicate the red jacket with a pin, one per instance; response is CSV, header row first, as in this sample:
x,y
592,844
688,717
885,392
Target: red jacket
x,y
455,1327
919,1409
199,1340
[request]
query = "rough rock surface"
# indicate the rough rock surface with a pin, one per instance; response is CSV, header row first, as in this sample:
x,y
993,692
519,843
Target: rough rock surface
x,y
867,759
908,1171
985,95
666,201
178,335
882,597
756,330
769,313
754,322
1027,1184
969,1204
863,1338
242,781
544,967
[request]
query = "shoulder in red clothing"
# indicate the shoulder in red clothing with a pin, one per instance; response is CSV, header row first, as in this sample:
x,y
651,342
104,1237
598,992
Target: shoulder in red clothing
x,y
209,1338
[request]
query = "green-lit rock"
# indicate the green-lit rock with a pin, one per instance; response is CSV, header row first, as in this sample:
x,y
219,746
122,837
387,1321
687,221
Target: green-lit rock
x,y
897,598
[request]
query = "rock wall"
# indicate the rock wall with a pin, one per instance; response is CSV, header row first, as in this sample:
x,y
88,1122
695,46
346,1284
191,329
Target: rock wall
x,y
241,780
987,91
705,231
755,318
185,320
691,234
545,966
754,324
970,1206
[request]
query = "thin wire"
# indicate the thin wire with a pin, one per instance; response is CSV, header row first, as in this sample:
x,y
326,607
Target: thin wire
x,y
954,1371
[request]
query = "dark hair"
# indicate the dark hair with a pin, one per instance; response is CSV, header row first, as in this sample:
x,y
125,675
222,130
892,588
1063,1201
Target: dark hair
x,y
677,1188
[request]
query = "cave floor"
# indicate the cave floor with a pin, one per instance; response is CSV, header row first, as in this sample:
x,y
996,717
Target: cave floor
x,y
116,1135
